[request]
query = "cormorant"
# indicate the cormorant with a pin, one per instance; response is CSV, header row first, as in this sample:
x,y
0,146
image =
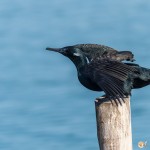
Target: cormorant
x,y
106,74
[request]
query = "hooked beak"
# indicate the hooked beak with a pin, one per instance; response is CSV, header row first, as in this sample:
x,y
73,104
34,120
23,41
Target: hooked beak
x,y
59,50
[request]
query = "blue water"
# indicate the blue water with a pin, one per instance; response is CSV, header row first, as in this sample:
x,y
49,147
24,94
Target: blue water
x,y
42,104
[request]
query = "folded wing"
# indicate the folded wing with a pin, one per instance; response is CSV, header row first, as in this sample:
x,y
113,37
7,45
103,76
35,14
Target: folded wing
x,y
113,77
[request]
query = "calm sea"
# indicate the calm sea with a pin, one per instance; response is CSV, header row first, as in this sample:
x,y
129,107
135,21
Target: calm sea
x,y
42,104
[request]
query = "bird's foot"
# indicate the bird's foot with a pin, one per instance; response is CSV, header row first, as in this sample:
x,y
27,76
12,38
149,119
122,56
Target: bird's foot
x,y
116,99
99,98
103,98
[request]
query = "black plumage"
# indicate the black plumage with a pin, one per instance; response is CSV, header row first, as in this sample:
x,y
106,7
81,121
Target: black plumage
x,y
106,74
96,51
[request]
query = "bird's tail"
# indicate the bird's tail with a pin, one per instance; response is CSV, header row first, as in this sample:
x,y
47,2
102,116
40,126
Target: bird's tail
x,y
141,77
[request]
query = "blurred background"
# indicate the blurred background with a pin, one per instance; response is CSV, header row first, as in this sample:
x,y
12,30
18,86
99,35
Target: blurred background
x,y
42,104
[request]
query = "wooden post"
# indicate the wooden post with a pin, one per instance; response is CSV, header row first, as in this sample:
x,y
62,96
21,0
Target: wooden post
x,y
113,124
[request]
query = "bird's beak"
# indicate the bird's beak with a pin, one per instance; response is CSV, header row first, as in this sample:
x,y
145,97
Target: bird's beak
x,y
59,50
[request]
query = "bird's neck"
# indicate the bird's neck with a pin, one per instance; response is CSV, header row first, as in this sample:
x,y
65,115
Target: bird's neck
x,y
80,62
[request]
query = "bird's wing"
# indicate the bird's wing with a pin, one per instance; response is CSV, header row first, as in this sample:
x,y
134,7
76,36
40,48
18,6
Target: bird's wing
x,y
122,55
113,77
93,51
132,64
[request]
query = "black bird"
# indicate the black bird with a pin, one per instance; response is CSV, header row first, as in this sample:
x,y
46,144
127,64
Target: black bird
x,y
95,51
113,77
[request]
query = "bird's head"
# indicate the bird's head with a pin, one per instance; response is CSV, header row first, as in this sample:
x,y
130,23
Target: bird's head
x,y
73,53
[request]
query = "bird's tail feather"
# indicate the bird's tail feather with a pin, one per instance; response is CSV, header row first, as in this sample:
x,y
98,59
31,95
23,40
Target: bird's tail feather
x,y
142,78
144,74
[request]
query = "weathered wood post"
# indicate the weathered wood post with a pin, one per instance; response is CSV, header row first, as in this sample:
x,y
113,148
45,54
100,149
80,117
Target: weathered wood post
x,y
113,125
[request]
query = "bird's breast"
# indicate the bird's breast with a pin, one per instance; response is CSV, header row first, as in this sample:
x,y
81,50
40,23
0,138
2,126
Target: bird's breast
x,y
88,83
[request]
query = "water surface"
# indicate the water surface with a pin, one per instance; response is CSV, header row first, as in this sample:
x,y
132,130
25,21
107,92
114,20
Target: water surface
x,y
42,104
